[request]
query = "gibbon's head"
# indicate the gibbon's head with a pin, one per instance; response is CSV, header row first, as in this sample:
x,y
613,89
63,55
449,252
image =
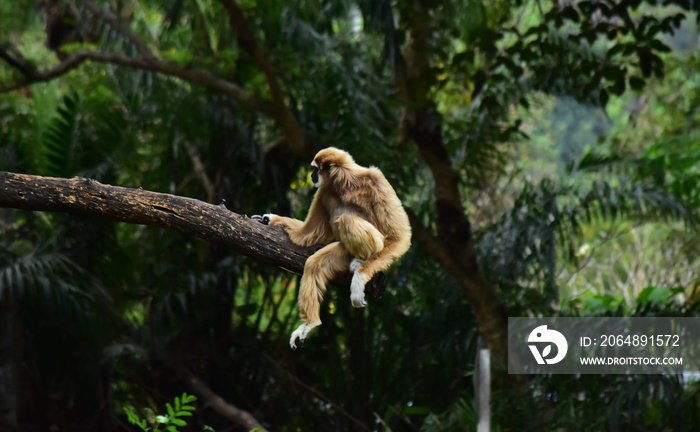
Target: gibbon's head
x,y
326,160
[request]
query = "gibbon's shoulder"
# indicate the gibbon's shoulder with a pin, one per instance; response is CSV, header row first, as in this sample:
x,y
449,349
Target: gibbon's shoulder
x,y
371,184
374,173
376,178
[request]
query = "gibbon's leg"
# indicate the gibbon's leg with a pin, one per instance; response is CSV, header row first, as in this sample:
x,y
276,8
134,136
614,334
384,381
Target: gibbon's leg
x,y
358,236
393,249
320,268
362,240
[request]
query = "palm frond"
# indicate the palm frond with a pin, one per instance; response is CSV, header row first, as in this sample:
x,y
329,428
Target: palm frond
x,y
592,161
522,248
632,200
51,278
57,143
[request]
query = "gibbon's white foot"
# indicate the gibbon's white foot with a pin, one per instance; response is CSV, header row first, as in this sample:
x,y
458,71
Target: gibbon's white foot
x,y
355,264
300,333
357,290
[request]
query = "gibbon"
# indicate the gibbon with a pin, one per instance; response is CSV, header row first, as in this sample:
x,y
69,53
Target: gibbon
x,y
358,208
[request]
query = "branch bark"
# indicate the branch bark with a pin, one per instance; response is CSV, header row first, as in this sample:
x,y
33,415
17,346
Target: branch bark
x,y
214,223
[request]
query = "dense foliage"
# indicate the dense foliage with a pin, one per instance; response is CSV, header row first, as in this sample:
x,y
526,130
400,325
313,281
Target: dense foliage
x,y
570,136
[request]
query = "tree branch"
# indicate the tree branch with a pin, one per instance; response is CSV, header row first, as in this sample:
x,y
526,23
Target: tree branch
x,y
216,402
200,171
202,78
453,246
276,108
120,27
246,39
12,56
267,244
317,393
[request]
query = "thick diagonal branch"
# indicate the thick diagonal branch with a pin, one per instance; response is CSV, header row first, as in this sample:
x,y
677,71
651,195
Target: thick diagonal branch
x,y
215,223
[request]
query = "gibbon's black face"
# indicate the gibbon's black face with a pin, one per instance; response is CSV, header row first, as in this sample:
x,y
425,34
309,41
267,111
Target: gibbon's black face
x,y
314,176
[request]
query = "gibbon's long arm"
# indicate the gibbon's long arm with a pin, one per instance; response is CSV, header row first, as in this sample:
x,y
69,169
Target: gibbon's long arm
x,y
315,230
189,216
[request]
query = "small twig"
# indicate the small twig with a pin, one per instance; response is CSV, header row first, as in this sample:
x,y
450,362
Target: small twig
x,y
274,144
381,420
216,402
317,394
201,172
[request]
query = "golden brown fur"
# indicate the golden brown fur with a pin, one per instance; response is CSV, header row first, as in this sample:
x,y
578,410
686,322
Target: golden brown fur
x,y
358,207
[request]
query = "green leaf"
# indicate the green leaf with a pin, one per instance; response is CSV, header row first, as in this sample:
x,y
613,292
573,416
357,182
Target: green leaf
x,y
654,294
162,419
178,422
134,419
598,302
